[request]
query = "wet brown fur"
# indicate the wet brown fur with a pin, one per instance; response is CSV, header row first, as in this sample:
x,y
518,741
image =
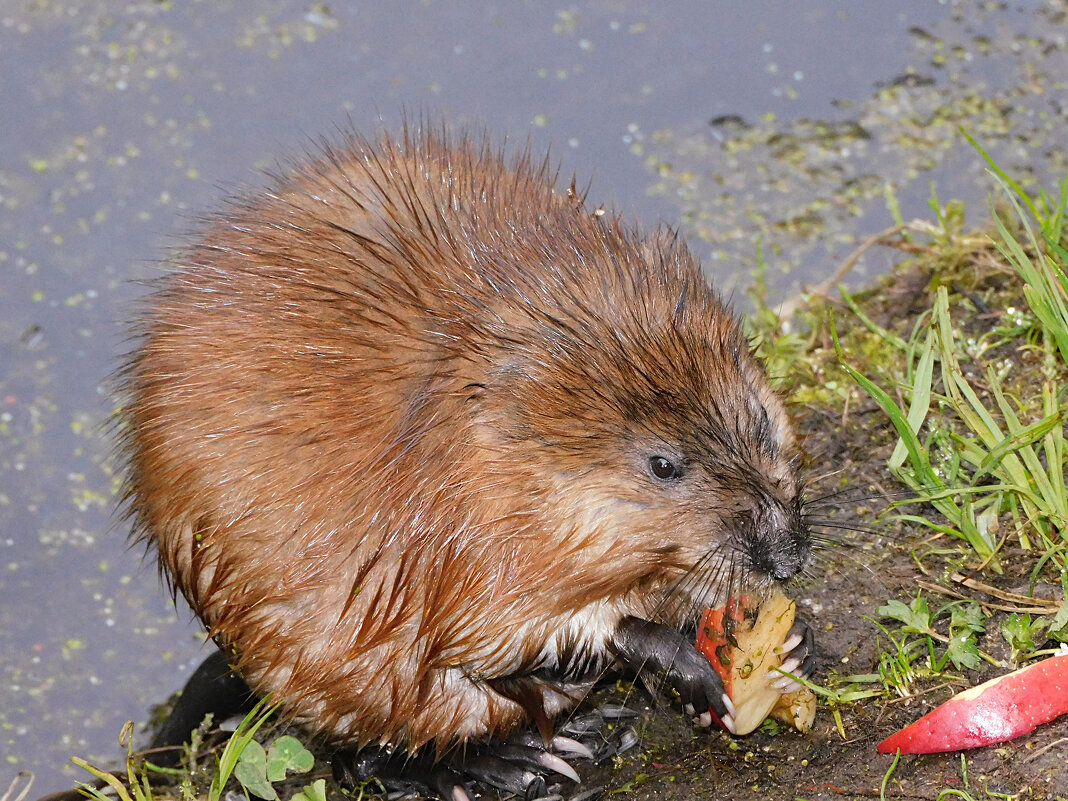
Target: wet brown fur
x,y
388,426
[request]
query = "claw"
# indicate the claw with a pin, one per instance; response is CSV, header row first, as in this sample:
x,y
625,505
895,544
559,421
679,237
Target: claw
x,y
450,784
791,642
557,765
790,665
566,745
627,740
729,704
534,758
616,712
583,724
787,685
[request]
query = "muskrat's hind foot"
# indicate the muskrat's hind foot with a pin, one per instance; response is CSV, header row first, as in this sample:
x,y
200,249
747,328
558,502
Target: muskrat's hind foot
x,y
801,658
213,688
644,646
514,767
398,771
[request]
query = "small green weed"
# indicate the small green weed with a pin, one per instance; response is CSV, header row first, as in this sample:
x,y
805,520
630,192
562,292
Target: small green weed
x,y
1043,269
782,352
254,768
243,735
965,624
965,792
316,791
258,769
886,777
137,786
986,794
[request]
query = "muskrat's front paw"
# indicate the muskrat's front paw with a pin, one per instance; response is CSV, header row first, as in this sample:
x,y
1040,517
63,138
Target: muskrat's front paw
x,y
800,658
701,689
645,646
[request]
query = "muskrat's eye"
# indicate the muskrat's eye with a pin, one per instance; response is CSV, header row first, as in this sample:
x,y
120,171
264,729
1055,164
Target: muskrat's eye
x,y
663,468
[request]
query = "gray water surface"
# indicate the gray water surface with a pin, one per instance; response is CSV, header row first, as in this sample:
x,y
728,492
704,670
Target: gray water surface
x,y
118,122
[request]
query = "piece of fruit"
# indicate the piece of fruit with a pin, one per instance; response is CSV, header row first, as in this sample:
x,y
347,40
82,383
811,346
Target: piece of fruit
x,y
995,711
741,639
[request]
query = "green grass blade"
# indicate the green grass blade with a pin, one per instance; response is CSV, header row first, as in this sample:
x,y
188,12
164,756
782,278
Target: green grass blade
x,y
885,334
917,455
1001,173
920,405
241,737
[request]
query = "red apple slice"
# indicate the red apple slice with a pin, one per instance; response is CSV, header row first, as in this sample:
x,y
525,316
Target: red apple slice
x,y
995,711
741,640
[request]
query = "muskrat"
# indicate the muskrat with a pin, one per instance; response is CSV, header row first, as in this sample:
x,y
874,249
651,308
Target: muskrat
x,y
428,445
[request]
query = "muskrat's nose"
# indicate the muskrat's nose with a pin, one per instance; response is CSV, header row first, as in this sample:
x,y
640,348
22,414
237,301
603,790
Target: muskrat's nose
x,y
785,566
779,552
772,563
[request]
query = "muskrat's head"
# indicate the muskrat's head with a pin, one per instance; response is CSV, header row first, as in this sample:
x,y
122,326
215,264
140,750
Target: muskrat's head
x,y
640,404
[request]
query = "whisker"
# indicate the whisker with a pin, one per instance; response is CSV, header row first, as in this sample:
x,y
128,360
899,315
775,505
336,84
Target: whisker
x,y
857,560
836,495
828,542
860,495
844,525
694,582
816,479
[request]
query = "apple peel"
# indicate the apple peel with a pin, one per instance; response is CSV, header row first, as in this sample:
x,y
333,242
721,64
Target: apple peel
x,y
993,712
742,641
